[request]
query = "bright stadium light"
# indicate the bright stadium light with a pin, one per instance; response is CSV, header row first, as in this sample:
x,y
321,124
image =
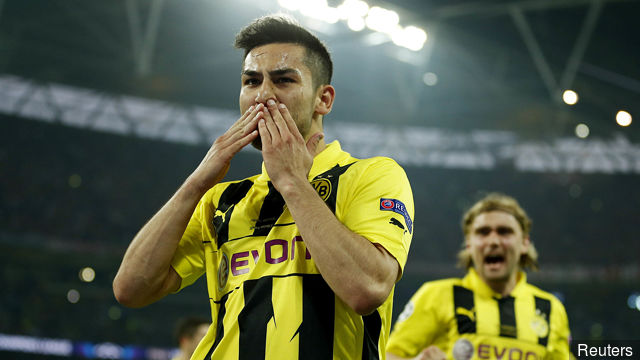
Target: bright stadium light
x,y
353,8
382,20
312,8
623,118
87,274
570,97
356,23
289,4
411,37
582,131
430,79
73,296
631,301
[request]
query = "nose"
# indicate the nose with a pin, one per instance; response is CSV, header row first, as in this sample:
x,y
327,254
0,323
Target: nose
x,y
265,92
493,238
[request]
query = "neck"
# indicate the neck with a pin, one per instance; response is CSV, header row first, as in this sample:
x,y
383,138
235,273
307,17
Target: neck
x,y
504,287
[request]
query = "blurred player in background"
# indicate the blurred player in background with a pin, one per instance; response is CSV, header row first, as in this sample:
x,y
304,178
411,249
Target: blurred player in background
x,y
491,313
188,333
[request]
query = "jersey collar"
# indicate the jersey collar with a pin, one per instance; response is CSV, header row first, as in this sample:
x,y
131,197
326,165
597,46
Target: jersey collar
x,y
473,281
331,153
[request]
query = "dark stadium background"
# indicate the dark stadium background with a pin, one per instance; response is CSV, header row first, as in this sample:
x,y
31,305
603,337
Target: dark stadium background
x,y
73,196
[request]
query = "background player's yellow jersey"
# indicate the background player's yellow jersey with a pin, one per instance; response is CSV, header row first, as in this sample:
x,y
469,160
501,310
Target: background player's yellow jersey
x,y
268,300
467,320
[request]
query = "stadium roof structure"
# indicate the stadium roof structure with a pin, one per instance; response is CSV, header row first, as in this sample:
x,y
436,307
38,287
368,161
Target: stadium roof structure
x,y
491,65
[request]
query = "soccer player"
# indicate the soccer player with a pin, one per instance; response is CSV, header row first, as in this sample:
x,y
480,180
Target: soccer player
x,y
491,313
301,260
188,333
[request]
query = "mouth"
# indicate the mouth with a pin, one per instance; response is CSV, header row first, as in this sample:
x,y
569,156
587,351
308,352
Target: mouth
x,y
494,261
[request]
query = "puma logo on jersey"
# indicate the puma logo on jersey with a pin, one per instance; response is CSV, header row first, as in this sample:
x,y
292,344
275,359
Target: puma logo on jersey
x,y
397,223
471,314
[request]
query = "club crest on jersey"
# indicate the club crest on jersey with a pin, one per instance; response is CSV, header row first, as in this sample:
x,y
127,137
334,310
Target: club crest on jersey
x,y
539,324
322,187
397,207
223,272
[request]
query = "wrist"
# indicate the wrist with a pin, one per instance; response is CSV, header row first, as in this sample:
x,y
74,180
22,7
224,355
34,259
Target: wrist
x,y
193,187
293,187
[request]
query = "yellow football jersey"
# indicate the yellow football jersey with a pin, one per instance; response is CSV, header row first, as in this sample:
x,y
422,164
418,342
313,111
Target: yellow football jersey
x,y
268,299
467,320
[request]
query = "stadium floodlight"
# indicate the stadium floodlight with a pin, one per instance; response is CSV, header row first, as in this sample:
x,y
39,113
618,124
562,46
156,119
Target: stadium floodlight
x,y
582,131
353,9
382,20
411,37
570,97
292,5
623,118
356,23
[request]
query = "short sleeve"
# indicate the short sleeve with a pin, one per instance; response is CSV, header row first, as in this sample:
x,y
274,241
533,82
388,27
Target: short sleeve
x,y
379,207
188,261
558,347
418,325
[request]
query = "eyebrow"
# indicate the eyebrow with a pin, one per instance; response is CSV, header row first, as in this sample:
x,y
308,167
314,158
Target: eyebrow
x,y
277,72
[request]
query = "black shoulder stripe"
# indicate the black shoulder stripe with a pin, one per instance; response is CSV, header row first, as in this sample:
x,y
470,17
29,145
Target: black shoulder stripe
x,y
333,176
231,196
463,308
543,308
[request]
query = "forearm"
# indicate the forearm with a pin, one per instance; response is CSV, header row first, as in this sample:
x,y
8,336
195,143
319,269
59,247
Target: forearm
x,y
145,274
359,272
391,356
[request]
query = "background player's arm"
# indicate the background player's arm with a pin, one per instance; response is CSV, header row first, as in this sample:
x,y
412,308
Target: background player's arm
x,y
145,274
431,353
360,273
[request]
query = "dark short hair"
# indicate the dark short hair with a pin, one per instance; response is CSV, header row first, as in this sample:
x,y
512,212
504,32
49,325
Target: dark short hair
x,y
274,29
187,326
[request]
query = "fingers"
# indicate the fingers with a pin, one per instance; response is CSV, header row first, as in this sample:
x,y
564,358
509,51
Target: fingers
x,y
312,143
247,123
288,120
265,135
273,115
432,353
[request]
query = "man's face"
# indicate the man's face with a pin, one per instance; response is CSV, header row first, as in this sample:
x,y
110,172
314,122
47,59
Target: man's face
x,y
277,71
496,242
191,343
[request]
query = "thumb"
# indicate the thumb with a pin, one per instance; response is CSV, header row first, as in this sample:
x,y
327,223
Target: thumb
x,y
312,143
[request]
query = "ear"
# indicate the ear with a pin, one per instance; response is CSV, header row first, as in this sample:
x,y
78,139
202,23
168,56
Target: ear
x,y
324,99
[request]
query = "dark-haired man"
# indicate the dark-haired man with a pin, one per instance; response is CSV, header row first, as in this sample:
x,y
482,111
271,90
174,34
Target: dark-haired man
x,y
301,260
188,333
492,313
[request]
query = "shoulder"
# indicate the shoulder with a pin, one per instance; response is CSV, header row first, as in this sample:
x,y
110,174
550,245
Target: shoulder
x,y
438,287
545,295
381,170
378,162
228,186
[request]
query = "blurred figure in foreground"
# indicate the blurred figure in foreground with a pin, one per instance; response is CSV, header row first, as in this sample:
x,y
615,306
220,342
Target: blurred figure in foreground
x,y
188,333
